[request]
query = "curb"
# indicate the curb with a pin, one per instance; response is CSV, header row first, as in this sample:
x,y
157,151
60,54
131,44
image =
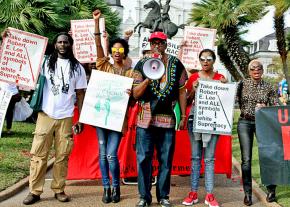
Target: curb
x,y
17,187
258,192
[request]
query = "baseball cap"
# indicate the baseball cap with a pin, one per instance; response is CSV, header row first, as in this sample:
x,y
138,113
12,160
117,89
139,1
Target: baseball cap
x,y
157,35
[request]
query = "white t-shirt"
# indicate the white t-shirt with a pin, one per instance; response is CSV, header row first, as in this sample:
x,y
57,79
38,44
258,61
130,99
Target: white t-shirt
x,y
59,89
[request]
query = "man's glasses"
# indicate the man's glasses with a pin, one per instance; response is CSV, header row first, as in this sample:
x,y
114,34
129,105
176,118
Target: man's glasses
x,y
158,43
208,58
120,50
255,67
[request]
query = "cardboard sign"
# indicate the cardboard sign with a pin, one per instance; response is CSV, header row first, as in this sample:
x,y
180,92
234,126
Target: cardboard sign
x,y
197,39
21,58
84,39
214,105
106,100
5,97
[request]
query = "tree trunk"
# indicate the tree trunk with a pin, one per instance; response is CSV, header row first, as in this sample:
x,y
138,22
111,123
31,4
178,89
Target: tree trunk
x,y
281,44
226,60
235,50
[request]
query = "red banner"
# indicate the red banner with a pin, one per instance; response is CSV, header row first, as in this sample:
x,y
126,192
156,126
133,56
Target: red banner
x,y
84,164
286,141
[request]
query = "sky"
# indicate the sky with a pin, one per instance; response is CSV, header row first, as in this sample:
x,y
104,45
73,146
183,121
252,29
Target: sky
x,y
256,31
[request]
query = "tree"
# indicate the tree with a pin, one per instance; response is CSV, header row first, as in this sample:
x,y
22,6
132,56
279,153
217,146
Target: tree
x,y
28,15
82,9
281,7
228,17
46,17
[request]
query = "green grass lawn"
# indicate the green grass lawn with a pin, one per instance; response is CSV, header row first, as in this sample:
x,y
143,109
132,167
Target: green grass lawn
x,y
14,154
282,192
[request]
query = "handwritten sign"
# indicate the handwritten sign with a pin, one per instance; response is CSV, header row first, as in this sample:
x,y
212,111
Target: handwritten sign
x,y
21,58
106,100
171,49
144,43
84,39
197,39
214,104
5,97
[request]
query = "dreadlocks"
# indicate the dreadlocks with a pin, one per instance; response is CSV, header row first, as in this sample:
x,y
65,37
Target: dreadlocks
x,y
53,57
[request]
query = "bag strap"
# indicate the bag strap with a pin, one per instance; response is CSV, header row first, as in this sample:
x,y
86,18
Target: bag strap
x,y
43,64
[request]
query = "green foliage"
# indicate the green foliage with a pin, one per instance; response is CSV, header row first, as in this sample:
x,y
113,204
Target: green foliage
x,y
229,18
220,14
47,17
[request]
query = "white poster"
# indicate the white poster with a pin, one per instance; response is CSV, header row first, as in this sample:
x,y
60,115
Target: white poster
x,y
21,57
84,39
106,100
214,107
5,97
197,39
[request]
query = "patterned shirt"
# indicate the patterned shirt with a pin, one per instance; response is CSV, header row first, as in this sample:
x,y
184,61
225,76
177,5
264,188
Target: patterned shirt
x,y
250,93
174,79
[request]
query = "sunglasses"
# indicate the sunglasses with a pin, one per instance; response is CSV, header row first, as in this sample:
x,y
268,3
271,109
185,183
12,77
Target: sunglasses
x,y
120,50
208,59
158,43
255,67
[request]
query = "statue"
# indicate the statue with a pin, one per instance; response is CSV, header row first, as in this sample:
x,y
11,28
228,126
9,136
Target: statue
x,y
163,18
159,21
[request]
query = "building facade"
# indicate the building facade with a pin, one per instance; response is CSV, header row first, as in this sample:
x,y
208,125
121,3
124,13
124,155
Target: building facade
x,y
265,49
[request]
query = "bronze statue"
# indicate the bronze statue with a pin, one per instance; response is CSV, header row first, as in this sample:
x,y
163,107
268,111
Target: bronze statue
x,y
157,20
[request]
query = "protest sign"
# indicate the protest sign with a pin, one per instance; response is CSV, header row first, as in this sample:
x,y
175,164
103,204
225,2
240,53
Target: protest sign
x,y
214,104
144,43
197,39
21,57
106,100
171,49
84,39
5,97
273,138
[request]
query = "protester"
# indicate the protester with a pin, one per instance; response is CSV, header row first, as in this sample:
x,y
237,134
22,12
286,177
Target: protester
x,y
109,140
202,142
65,79
12,88
156,121
16,97
252,93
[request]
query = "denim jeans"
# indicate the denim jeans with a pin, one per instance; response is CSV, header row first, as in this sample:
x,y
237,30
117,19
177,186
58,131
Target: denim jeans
x,y
246,130
164,141
196,156
109,142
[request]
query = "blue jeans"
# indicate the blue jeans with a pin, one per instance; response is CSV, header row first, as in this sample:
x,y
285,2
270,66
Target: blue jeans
x,y
246,130
196,157
109,142
164,141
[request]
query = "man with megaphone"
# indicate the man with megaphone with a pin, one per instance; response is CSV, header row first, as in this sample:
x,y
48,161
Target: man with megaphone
x,y
159,83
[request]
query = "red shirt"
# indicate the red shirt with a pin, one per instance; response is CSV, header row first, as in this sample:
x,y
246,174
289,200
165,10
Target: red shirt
x,y
195,76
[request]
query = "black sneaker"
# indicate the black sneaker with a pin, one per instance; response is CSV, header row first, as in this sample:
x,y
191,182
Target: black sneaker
x,y
271,197
31,199
142,203
165,203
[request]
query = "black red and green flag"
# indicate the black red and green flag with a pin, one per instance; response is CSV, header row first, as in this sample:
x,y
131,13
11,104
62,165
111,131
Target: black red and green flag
x,y
273,136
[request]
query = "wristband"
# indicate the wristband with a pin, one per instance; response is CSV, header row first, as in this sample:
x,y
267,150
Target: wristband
x,y
97,33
